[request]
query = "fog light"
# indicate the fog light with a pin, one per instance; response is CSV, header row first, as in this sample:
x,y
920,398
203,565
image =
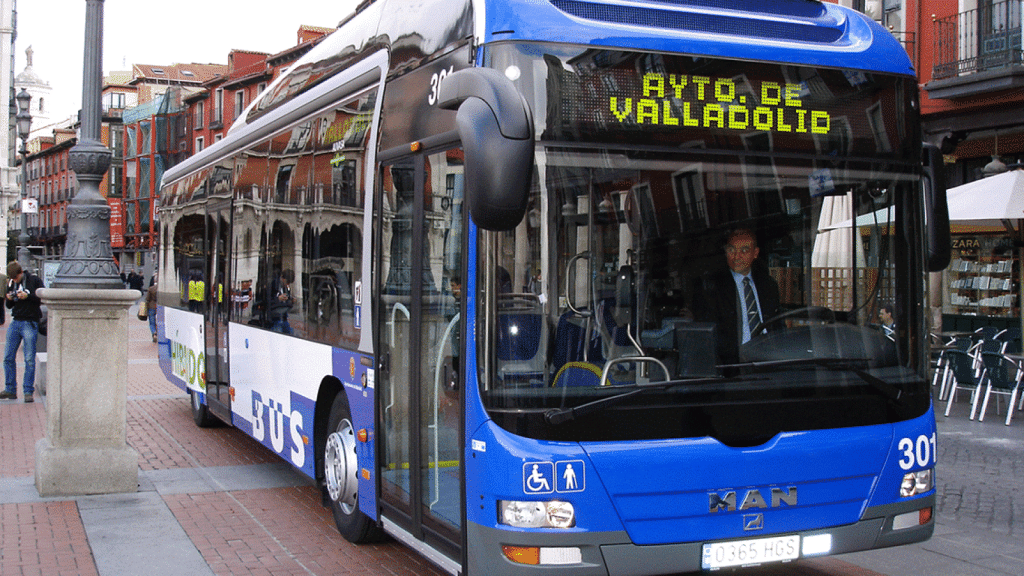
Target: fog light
x,y
520,514
916,483
545,556
912,519
817,545
522,554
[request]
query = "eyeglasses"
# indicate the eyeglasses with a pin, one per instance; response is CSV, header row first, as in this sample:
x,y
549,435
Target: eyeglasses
x,y
732,250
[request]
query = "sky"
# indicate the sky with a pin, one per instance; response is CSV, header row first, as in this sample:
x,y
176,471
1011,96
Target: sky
x,y
162,32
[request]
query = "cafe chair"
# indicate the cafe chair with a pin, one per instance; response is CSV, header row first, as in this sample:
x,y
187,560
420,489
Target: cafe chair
x,y
1001,376
962,377
1012,337
943,372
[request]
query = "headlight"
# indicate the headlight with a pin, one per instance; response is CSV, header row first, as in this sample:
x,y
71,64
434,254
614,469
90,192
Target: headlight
x,y
553,514
915,483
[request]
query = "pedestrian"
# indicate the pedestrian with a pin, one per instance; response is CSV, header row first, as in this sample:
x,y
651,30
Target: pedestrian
x,y
22,299
135,281
282,302
151,306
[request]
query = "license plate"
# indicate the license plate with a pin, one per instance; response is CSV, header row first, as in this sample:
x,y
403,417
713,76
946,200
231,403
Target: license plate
x,y
746,552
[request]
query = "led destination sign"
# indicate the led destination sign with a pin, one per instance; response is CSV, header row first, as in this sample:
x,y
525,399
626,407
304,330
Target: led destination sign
x,y
707,102
656,99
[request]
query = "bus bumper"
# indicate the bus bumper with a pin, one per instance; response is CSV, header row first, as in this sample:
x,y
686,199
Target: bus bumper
x,y
612,554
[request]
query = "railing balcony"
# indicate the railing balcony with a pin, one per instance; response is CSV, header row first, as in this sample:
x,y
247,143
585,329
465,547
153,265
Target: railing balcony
x,y
985,39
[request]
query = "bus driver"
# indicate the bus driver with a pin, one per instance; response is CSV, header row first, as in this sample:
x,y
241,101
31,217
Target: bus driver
x,y
739,299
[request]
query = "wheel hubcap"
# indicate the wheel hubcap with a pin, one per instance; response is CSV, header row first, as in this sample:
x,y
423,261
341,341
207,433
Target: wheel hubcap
x,y
340,467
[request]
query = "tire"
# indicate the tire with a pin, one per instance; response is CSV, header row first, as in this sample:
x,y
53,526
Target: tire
x,y
341,476
201,412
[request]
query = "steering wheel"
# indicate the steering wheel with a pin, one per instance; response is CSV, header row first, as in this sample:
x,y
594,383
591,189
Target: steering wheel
x,y
810,312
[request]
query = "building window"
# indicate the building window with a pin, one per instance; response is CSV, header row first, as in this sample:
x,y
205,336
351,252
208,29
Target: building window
x,y
239,103
218,105
116,141
199,145
200,114
113,100
115,190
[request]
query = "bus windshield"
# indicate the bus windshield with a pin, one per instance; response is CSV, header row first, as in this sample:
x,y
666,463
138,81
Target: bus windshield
x,y
709,250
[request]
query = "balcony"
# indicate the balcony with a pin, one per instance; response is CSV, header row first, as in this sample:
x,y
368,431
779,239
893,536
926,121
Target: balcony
x,y
978,52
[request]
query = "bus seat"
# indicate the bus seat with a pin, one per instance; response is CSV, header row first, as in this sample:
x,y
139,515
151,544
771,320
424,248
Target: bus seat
x,y
522,337
578,374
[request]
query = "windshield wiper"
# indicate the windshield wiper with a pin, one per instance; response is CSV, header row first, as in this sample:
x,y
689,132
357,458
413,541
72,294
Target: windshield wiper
x,y
890,392
557,416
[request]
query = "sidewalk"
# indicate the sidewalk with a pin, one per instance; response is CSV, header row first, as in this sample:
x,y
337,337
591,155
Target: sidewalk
x,y
210,501
213,501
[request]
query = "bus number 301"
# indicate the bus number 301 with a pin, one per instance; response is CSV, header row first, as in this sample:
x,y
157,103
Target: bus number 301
x,y
435,84
920,452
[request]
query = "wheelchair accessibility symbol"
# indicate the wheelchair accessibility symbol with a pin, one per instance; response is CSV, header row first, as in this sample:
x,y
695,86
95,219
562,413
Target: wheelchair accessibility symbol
x,y
538,477
548,477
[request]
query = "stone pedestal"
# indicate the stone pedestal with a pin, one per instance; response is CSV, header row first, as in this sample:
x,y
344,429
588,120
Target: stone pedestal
x,y
85,449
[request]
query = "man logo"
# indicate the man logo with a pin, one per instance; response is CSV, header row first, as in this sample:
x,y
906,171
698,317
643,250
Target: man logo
x,y
751,499
753,522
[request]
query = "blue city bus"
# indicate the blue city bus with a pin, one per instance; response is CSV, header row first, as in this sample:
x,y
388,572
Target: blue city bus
x,y
472,267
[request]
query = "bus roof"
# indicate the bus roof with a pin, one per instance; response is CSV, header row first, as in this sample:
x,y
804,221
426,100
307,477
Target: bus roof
x,y
801,32
795,31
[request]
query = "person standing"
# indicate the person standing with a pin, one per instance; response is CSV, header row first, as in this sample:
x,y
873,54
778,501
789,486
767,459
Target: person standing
x,y
281,302
22,298
136,280
151,307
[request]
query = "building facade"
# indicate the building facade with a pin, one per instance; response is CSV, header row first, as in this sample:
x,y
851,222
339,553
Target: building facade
x,y
972,78
52,184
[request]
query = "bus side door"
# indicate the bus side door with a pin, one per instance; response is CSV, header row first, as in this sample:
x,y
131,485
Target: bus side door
x,y
218,230
419,318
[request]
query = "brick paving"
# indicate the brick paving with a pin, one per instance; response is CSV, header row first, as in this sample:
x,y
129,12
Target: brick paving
x,y
265,531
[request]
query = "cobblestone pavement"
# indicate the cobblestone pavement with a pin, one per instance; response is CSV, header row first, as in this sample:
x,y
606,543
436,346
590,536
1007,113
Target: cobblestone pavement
x,y
215,502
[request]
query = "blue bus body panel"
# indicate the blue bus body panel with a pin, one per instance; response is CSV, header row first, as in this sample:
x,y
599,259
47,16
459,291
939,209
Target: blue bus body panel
x,y
791,31
663,492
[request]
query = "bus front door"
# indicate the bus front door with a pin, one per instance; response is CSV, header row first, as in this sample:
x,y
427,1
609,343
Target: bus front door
x,y
418,326
218,230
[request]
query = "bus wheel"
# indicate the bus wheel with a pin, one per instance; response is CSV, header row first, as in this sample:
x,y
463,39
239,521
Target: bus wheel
x,y
201,412
341,476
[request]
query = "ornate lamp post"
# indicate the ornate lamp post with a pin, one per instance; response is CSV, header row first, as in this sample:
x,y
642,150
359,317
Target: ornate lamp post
x,y
85,449
88,261
24,127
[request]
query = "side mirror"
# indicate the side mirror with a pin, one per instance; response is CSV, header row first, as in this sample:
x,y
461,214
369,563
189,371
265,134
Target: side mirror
x,y
496,127
936,209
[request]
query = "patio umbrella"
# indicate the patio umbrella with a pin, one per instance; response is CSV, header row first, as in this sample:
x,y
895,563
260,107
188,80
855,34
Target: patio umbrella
x,y
999,197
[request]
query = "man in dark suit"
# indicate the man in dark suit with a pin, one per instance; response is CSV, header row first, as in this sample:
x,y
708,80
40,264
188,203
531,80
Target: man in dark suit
x,y
740,299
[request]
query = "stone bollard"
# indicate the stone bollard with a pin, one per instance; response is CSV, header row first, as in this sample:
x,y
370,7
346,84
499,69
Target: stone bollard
x,y
85,450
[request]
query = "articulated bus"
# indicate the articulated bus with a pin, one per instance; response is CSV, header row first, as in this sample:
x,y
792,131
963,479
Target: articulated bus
x,y
471,266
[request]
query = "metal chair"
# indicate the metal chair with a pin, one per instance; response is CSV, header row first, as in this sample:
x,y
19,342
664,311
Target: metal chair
x,y
943,373
1012,337
962,377
1001,376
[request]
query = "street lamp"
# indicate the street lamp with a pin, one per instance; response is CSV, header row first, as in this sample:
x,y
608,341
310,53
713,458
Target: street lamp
x,y
24,126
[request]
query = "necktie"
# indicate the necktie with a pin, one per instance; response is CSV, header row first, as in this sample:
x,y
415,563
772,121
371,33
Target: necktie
x,y
753,318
